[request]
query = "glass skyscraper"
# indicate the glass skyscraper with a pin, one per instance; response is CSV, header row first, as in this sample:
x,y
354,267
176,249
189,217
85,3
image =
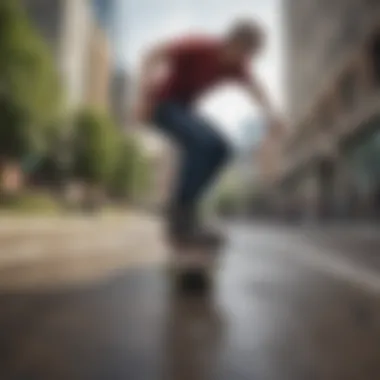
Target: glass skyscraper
x,y
104,11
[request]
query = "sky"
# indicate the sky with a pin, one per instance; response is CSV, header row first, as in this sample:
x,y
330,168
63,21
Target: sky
x,y
145,22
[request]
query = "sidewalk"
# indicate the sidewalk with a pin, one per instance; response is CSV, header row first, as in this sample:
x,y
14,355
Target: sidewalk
x,y
360,243
357,242
32,239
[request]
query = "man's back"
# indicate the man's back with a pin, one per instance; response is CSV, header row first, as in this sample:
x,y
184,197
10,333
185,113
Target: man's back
x,y
195,66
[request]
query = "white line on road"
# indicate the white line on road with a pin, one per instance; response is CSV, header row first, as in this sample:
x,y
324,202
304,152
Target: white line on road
x,y
331,262
325,260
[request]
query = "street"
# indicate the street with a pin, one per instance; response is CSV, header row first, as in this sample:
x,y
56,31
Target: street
x,y
289,303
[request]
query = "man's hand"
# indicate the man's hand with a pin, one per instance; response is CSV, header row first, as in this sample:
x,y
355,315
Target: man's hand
x,y
277,126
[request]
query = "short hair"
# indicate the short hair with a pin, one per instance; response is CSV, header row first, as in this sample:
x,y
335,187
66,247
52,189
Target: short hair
x,y
247,31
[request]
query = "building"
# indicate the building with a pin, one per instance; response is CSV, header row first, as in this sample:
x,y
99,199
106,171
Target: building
x,y
119,98
75,30
105,12
99,68
331,163
107,15
65,24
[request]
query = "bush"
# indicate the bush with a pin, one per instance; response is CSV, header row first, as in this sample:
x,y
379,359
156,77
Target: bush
x,y
131,172
94,147
33,203
30,96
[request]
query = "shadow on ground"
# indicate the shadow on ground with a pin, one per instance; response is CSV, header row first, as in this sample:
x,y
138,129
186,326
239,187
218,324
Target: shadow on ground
x,y
269,318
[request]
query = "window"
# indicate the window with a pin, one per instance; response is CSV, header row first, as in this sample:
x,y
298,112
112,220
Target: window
x,y
351,25
373,4
326,116
347,90
349,29
375,59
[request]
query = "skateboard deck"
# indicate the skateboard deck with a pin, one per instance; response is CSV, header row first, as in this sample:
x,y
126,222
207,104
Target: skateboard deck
x,y
193,268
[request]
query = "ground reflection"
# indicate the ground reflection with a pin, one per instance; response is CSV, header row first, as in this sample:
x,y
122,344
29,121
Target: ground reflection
x,y
193,338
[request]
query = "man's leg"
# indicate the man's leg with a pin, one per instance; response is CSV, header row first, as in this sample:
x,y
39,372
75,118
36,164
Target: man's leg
x,y
201,163
203,152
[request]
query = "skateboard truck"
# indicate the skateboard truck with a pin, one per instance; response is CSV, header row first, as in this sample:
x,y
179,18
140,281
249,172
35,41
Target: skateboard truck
x,y
193,268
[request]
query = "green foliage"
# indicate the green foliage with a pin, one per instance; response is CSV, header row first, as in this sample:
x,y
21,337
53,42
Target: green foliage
x,y
130,177
95,147
30,95
32,203
14,136
143,176
105,156
226,203
122,178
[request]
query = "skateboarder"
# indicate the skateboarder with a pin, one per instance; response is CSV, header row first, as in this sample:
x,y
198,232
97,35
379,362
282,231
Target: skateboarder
x,y
173,77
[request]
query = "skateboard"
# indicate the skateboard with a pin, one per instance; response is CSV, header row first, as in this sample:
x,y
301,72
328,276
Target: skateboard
x,y
192,267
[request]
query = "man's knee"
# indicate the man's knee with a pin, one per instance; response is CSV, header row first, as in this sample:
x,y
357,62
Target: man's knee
x,y
220,149
211,146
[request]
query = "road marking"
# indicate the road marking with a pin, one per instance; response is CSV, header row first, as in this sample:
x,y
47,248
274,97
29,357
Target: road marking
x,y
326,260
323,259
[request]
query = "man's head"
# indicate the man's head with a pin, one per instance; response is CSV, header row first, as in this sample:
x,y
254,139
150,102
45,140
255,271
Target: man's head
x,y
244,39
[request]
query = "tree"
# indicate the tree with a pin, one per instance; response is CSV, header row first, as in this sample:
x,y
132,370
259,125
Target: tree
x,y
46,166
130,177
121,180
143,175
94,147
29,87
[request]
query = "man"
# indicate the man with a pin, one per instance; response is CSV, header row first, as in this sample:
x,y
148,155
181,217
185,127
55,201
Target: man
x,y
173,78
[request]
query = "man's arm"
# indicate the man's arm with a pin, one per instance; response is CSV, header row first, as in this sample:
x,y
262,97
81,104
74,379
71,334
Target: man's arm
x,y
259,95
257,92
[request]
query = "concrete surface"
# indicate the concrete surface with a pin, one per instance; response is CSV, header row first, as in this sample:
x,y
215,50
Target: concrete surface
x,y
287,305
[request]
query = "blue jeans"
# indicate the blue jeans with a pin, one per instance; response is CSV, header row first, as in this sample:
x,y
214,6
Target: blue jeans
x,y
203,151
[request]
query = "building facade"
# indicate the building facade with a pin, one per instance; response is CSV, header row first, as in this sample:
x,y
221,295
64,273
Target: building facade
x,y
65,24
105,12
119,98
76,32
330,165
99,68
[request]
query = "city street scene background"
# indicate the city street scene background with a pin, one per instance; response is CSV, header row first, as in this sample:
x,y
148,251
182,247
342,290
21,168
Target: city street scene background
x,y
84,291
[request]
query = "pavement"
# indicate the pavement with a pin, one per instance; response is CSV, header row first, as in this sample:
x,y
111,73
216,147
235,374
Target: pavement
x,y
359,243
288,303
53,251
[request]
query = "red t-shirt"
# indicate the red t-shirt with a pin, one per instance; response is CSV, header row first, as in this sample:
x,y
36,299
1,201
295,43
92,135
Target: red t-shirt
x,y
195,67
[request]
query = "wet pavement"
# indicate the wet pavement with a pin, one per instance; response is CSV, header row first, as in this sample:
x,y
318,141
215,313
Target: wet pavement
x,y
282,308
360,243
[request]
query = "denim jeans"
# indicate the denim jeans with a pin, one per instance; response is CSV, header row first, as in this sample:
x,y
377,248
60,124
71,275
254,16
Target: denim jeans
x,y
203,150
